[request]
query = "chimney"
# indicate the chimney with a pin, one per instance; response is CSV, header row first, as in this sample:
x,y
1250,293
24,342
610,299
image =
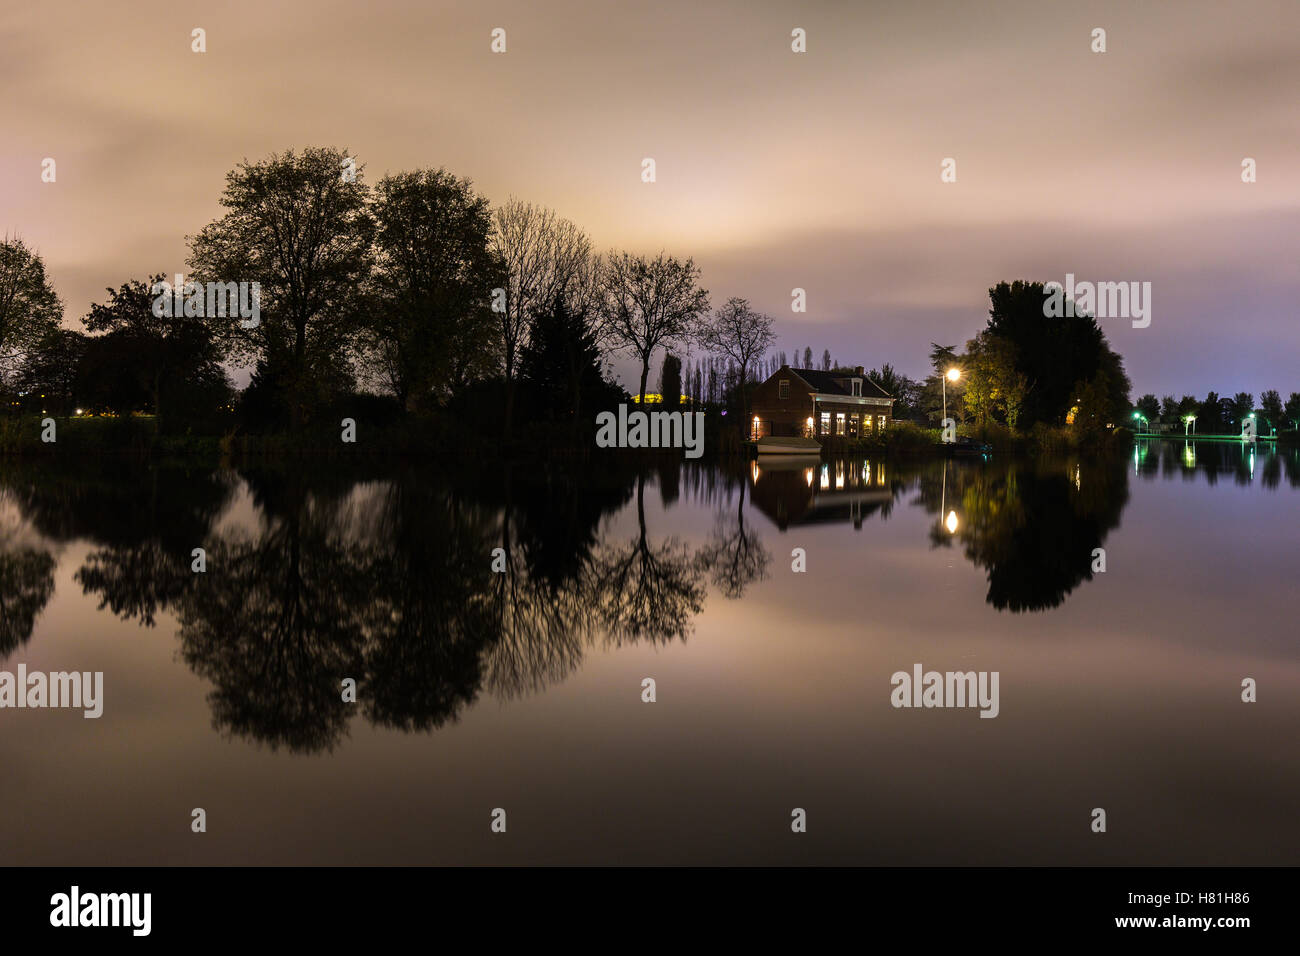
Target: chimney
x,y
860,370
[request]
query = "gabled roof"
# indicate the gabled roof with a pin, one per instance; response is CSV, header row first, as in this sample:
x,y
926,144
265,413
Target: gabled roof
x,y
829,382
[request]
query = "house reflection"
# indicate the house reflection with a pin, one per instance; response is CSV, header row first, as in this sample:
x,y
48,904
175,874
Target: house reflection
x,y
803,489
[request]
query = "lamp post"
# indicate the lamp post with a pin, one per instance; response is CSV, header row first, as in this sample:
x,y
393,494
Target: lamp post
x,y
951,376
1140,417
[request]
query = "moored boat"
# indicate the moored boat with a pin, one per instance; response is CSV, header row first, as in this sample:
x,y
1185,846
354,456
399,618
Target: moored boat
x,y
787,445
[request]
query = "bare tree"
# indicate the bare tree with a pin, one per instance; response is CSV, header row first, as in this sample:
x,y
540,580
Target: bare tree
x,y
544,256
650,303
741,334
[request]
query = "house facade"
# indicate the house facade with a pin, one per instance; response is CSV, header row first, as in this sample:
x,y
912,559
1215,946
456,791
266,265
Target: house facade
x,y
812,404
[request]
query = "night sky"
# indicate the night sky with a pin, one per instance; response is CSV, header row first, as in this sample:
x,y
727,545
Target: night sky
x,y
775,170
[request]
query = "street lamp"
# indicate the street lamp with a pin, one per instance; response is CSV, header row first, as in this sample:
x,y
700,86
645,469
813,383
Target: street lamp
x,y
1188,421
952,375
1140,417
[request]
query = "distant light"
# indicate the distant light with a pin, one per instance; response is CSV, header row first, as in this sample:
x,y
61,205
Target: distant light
x,y
951,522
78,411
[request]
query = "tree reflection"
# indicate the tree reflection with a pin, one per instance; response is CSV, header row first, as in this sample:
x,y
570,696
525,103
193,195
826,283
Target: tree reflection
x,y
1032,526
735,554
646,591
279,620
26,584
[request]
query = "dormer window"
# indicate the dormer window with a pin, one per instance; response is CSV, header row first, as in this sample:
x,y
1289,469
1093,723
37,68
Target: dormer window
x,y
857,386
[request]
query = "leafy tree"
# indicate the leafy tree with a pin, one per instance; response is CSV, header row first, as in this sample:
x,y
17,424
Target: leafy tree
x,y
1149,406
1093,412
905,392
299,227
29,307
430,322
648,304
993,385
807,357
1270,404
48,377
1209,417
1292,409
1056,354
173,358
942,357
1243,403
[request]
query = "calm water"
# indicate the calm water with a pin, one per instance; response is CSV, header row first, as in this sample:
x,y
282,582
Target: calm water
x,y
522,689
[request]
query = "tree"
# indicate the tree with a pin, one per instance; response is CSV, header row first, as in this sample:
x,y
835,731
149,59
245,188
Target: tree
x,y
826,360
670,381
807,357
942,357
647,304
1093,407
1149,406
905,392
1243,403
1292,409
430,322
560,362
172,358
742,335
1270,404
1057,354
29,307
48,375
543,257
299,227
1209,417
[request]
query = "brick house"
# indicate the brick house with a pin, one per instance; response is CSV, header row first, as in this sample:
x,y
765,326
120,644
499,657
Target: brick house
x,y
808,403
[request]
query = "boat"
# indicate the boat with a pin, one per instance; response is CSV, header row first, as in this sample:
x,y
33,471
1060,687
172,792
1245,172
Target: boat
x,y
787,445
966,447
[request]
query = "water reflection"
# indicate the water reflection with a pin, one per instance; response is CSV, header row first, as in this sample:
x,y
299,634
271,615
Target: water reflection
x,y
389,578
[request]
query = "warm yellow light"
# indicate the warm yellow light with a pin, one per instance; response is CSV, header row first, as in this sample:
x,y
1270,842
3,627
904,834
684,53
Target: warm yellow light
x,y
953,374
951,522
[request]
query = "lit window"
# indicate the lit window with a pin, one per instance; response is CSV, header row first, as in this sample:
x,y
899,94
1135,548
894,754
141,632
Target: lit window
x,y
853,424
880,422
839,423
826,423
